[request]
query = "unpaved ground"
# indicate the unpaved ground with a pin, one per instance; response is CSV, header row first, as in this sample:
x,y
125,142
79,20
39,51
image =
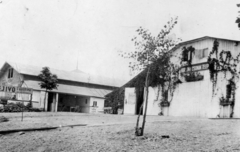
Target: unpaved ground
x,y
48,119
187,134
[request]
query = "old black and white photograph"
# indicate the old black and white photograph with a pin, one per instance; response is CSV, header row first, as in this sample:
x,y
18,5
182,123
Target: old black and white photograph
x,y
119,76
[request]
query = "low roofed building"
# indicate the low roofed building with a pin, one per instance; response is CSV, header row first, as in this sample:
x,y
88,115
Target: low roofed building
x,y
77,91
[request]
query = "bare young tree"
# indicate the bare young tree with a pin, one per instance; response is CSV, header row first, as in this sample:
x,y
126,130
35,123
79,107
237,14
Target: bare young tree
x,y
152,56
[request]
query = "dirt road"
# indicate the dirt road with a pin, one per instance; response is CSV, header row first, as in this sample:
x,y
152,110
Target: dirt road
x,y
116,133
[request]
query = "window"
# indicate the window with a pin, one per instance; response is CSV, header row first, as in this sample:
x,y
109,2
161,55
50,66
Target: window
x,y
165,95
10,73
229,91
86,101
202,53
185,54
205,52
94,103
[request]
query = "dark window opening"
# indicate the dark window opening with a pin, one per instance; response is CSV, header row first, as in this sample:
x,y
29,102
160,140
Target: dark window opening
x,y
139,95
94,103
229,90
10,73
185,54
165,96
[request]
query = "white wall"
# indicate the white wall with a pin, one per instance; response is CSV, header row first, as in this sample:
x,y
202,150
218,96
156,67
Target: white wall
x,y
153,107
36,98
42,96
192,98
100,105
14,81
237,104
129,101
196,98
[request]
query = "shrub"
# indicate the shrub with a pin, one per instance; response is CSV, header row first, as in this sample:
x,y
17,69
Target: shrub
x,y
18,107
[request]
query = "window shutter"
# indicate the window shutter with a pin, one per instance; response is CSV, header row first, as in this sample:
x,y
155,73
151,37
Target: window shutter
x,y
11,73
205,52
8,73
185,55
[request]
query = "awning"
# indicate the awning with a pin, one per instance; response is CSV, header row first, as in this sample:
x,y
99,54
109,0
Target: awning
x,y
70,89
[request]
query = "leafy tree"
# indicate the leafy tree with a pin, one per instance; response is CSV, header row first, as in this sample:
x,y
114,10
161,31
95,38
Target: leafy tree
x,y
48,81
152,57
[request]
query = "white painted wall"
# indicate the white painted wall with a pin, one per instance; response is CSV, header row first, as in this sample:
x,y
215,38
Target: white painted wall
x,y
153,101
100,105
36,98
14,81
42,96
196,98
129,101
192,98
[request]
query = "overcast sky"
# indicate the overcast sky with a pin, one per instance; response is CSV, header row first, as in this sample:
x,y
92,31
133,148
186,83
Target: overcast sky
x,y
56,33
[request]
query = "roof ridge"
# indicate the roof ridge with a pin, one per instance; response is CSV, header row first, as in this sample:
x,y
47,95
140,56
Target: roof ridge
x,y
67,75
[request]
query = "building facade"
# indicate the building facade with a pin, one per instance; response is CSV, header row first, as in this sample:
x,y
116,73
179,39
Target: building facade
x,y
76,92
198,96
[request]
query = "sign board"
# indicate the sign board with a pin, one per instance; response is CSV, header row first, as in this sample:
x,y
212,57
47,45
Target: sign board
x,y
194,68
24,90
15,93
23,97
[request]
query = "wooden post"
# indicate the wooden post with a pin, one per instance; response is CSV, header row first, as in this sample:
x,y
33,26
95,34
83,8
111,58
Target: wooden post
x,y
23,104
22,110
46,101
56,102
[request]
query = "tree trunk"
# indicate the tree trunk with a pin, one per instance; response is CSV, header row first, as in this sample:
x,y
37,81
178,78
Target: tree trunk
x,y
137,129
146,103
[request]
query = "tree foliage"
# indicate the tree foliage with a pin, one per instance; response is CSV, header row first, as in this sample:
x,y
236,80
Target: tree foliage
x,y
115,100
153,52
48,80
150,48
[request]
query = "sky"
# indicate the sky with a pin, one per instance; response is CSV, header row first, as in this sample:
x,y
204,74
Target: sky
x,y
61,33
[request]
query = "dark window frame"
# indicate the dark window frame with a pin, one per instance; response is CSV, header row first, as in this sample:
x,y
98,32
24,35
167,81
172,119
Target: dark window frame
x,y
10,73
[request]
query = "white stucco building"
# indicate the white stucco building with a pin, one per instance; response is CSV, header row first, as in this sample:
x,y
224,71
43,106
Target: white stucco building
x,y
193,97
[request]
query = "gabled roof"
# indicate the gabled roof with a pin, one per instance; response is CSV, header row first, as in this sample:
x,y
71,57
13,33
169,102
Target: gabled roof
x,y
172,50
63,75
200,39
71,89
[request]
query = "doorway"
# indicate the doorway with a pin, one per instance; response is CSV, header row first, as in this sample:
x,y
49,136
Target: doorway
x,y
50,101
139,95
